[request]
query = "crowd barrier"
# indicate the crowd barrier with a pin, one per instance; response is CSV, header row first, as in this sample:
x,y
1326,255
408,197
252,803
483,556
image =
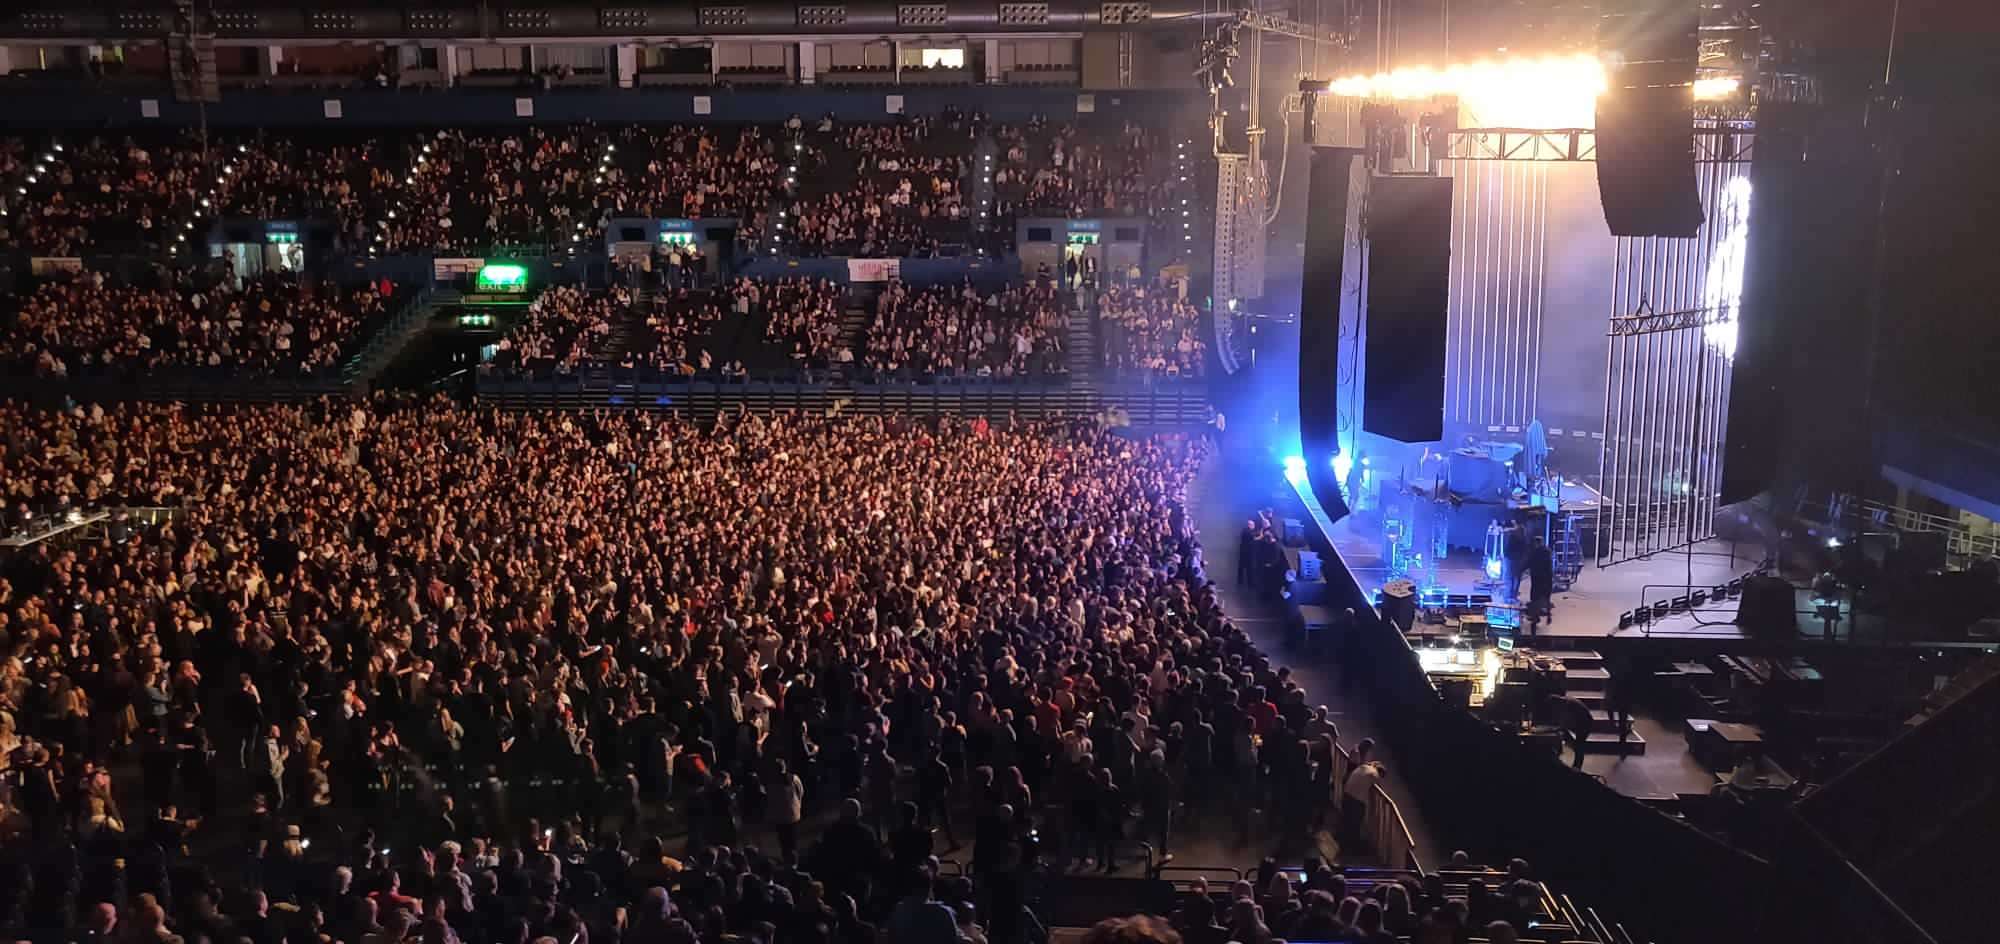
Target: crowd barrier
x,y
217,385
91,524
1159,405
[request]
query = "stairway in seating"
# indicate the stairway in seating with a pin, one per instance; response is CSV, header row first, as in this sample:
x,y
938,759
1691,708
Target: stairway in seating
x,y
381,349
1080,347
1586,678
854,321
626,329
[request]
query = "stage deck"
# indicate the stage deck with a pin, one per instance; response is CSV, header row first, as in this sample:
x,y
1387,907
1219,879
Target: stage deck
x,y
1591,607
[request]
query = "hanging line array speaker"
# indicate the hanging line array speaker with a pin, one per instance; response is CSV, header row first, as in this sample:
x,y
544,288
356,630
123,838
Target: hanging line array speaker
x,y
1338,184
1409,268
1645,119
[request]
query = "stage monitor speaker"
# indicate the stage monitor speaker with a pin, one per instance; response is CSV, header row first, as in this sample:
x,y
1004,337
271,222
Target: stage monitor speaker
x,y
1765,611
1409,267
1339,179
1645,119
1400,612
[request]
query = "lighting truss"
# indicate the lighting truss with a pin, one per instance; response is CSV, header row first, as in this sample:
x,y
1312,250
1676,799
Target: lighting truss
x,y
1732,142
1648,321
1282,26
1522,144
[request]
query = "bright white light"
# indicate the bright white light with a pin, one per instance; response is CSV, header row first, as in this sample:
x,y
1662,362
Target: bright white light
x,y
1722,291
1723,87
1555,92
1833,542
1558,92
1342,464
1295,469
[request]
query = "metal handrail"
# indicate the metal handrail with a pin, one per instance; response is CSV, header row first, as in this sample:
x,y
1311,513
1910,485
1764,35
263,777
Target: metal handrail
x,y
1390,833
150,514
1843,508
1382,820
1227,874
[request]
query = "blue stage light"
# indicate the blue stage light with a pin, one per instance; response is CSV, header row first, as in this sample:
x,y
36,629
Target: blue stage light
x,y
1295,469
1342,464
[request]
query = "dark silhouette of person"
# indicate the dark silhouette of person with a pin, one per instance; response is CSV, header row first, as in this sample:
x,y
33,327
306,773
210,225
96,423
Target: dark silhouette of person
x,y
1541,581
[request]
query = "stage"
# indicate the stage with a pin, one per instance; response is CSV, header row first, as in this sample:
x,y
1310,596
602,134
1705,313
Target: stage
x,y
1592,606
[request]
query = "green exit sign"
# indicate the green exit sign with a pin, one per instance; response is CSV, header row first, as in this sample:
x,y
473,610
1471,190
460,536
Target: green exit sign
x,y
503,277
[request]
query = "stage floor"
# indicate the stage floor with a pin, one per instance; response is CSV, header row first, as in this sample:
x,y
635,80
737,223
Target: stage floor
x,y
1590,611
1592,606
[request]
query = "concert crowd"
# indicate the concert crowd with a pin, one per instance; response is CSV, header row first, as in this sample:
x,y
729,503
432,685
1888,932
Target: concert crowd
x,y
1149,329
898,188
955,331
404,670
565,327
274,324
903,195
